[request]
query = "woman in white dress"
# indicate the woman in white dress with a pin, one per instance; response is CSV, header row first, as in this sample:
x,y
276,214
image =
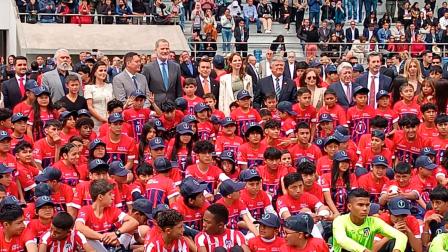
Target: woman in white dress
x,y
98,94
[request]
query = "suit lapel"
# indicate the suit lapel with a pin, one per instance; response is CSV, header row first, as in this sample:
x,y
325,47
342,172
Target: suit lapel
x,y
160,73
341,89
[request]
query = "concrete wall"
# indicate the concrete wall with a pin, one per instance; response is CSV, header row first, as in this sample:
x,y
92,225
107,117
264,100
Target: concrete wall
x,y
8,22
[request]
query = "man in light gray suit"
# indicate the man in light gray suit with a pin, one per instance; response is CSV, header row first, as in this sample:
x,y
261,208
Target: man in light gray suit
x,y
163,75
130,79
264,67
55,79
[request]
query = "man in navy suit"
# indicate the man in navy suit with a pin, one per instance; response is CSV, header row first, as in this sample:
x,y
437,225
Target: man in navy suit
x,y
14,89
188,67
284,88
205,84
351,33
344,87
370,32
373,79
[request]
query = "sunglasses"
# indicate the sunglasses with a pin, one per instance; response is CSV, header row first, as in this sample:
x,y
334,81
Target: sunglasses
x,y
311,78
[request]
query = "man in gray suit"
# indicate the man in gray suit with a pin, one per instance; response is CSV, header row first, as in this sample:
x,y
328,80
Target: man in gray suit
x,y
163,75
264,67
130,79
55,79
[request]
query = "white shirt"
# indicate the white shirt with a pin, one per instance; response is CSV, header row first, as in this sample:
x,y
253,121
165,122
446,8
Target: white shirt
x,y
345,86
291,70
377,85
268,68
443,23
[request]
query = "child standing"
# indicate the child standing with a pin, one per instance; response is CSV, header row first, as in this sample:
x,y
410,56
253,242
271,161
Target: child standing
x,y
189,88
244,114
306,112
407,104
331,107
228,140
359,116
384,110
136,116
41,113
25,106
205,127
287,118
250,154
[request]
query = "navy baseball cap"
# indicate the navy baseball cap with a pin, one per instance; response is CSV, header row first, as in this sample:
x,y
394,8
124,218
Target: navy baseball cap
x,y
249,174
341,156
314,64
253,126
42,201
340,136
10,200
159,208
138,93
83,112
117,168
360,90
214,119
227,121
162,164
381,93
30,84
95,143
66,114
229,186
181,103
156,143
19,117
269,220
302,160
325,117
331,69
98,164
42,189
115,117
378,134
374,208
5,169
301,222
201,107
399,206
158,125
191,186
330,139
184,128
243,94
428,151
286,106
38,91
144,206
380,160
227,155
343,130
4,135
190,119
425,162
49,173
358,68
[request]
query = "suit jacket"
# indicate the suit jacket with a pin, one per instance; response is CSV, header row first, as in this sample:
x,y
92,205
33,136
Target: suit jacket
x,y
155,82
226,94
214,88
384,81
342,97
11,93
186,72
123,85
408,35
237,34
112,72
322,36
287,71
265,87
365,33
262,68
252,73
348,34
53,82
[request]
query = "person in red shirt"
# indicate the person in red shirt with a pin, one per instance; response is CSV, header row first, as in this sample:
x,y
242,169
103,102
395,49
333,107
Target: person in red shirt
x,y
272,135
12,237
205,127
428,129
424,178
5,150
6,179
306,112
244,115
407,104
359,116
69,165
157,149
324,163
170,117
384,110
269,239
26,170
227,163
434,222
341,133
298,230
18,134
68,120
62,237
136,116
272,172
115,106
308,170
399,216
440,143
5,119
270,101
211,101
215,235
189,89
377,123
97,222
41,113
144,173
180,148
287,119
331,107
286,158
84,127
228,140
377,147
374,181
127,192
161,189
25,106
250,154
45,149
37,227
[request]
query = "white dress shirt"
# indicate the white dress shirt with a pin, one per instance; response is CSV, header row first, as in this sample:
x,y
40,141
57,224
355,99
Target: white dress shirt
x,y
345,86
291,70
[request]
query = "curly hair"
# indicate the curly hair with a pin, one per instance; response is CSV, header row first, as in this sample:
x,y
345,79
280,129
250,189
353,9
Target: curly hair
x,y
169,218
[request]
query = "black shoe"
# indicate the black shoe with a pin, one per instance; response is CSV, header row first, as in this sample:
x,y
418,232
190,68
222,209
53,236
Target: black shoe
x,y
259,31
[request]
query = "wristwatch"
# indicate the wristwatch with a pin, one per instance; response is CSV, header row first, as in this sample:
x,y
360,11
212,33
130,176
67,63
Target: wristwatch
x,y
117,233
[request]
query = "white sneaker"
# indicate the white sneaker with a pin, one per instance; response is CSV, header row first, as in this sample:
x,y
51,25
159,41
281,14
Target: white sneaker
x,y
268,31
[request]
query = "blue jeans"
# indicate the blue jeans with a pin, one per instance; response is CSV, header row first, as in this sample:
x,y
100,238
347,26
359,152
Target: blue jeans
x,y
316,17
374,4
257,22
367,4
226,38
352,9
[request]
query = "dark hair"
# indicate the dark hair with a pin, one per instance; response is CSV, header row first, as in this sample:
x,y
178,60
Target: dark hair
x,y
105,158
203,146
99,187
330,91
303,77
75,139
335,173
2,188
94,69
220,213
187,197
395,88
439,193
5,113
272,124
169,218
303,125
71,77
22,145
128,57
143,143
409,120
307,168
441,96
402,168
19,58
190,81
59,104
270,96
265,112
210,96
63,220
272,153
427,106
84,121
54,123
65,149
144,169
10,212
113,104
379,122
291,178
178,145
84,69
38,124
168,106
303,90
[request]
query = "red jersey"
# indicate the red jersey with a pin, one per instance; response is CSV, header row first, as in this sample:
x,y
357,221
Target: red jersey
x,y
136,118
224,142
271,179
256,205
74,242
122,151
236,209
125,195
391,117
359,121
424,187
25,174
184,157
160,189
251,157
311,152
243,119
366,156
368,183
9,160
23,108
126,130
16,140
169,124
34,230
45,116
17,243
219,114
155,243
337,113
65,137
312,245
81,196
43,152
111,216
260,244
192,217
366,140
340,191
410,220
408,150
426,132
205,130
211,176
294,206
401,108
192,102
315,190
70,174
62,197
307,115
227,240
439,145
324,165
288,126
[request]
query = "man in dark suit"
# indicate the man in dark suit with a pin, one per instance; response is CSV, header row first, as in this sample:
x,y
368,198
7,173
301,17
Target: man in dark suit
x,y
205,84
163,75
188,67
411,33
284,88
344,87
251,70
14,89
373,79
241,34
290,66
351,33
370,32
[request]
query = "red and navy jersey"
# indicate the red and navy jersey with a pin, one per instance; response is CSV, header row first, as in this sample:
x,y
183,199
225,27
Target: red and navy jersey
x,y
211,176
340,191
108,222
405,150
236,210
402,109
160,189
288,126
122,151
435,227
81,195
427,132
307,115
425,186
205,130
45,116
366,156
337,113
62,197
439,145
243,119
43,153
125,195
25,175
16,140
231,143
271,178
359,121
74,242
311,152
192,217
257,205
136,118
227,240
70,174
23,108
251,157
168,125
368,183
391,117
192,103
324,165
126,130
294,206
183,157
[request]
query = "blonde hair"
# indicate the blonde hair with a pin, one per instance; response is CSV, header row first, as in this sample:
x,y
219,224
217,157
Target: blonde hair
x,y
431,83
419,70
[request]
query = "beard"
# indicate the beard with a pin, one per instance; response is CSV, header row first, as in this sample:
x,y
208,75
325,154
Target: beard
x,y
64,66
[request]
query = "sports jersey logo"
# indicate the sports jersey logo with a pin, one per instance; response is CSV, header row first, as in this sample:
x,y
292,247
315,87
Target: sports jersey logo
x,y
68,246
361,127
366,232
229,154
229,243
185,126
157,141
401,204
381,158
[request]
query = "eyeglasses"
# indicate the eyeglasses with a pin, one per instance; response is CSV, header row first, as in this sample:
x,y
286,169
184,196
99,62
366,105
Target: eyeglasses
x,y
311,77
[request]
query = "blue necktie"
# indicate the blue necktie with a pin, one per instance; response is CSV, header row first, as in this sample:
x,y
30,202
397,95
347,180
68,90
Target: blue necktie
x,y
135,82
165,76
277,88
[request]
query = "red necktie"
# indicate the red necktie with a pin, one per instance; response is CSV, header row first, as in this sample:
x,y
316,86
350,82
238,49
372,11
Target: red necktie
x,y
372,92
22,86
